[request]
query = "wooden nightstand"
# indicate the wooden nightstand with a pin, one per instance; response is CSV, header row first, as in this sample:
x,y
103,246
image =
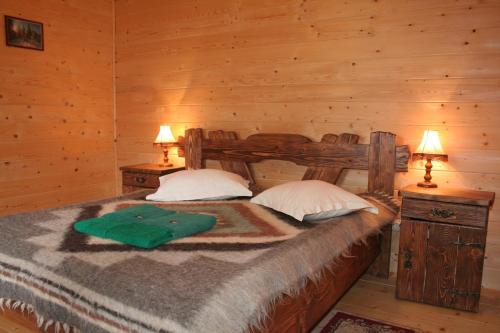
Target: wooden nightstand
x,y
141,176
441,246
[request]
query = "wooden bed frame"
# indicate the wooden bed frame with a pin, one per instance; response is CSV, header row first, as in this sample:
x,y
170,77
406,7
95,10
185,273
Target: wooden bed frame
x,y
325,160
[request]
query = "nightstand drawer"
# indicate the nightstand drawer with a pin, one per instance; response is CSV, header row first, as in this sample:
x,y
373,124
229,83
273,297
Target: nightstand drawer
x,y
445,212
141,180
144,176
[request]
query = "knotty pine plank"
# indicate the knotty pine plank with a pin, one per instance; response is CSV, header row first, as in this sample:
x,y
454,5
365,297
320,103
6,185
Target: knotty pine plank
x,y
98,9
33,131
69,147
17,113
370,50
303,34
430,114
473,90
351,71
72,194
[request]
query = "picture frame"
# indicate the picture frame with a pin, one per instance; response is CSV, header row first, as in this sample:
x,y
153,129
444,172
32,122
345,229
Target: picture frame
x,y
23,33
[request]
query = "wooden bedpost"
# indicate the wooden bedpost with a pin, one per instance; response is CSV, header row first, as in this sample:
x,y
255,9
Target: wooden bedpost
x,y
382,162
381,172
192,148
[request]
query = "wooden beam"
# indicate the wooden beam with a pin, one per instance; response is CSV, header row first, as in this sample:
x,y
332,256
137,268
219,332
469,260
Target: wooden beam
x,y
238,167
311,154
330,174
192,147
308,154
382,162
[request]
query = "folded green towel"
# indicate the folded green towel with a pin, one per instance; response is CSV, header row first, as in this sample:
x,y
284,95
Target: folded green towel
x,y
145,226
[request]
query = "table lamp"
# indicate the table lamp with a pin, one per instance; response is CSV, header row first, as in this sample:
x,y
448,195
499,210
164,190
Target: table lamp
x,y
165,139
430,149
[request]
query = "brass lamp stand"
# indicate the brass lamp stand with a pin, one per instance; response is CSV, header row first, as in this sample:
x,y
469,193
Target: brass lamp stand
x,y
428,167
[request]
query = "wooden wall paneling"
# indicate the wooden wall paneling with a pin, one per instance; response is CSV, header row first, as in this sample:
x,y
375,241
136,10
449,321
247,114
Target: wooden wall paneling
x,y
37,200
318,67
471,91
330,72
254,35
56,108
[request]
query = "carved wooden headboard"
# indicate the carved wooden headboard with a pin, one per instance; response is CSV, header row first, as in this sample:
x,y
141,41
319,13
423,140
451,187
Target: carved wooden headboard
x,y
325,160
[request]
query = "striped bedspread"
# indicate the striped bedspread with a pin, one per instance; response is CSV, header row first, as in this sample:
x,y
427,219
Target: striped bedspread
x,y
223,280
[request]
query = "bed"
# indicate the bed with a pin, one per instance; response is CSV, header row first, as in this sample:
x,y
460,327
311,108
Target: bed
x,y
258,271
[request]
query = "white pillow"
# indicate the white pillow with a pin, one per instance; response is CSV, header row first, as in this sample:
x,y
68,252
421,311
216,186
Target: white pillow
x,y
312,200
200,184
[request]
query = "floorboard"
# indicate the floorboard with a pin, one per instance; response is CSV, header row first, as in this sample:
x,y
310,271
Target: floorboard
x,y
374,298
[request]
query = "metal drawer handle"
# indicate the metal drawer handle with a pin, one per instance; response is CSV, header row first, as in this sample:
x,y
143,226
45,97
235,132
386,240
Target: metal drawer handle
x,y
476,245
463,293
407,263
443,213
140,180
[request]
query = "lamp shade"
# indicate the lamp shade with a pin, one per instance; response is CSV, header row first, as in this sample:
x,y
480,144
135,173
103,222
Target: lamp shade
x,y
165,135
430,146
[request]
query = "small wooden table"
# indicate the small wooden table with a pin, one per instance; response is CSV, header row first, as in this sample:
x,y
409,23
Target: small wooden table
x,y
441,246
142,176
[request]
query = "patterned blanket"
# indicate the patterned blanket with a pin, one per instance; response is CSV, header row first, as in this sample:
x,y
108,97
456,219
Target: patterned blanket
x,y
222,281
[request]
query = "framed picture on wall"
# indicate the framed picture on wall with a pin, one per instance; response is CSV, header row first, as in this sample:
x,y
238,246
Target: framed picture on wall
x,y
23,33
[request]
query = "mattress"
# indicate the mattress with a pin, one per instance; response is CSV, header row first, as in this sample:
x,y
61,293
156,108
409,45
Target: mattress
x,y
223,280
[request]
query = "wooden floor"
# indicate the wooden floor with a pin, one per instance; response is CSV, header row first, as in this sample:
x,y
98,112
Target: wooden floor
x,y
373,298
7,326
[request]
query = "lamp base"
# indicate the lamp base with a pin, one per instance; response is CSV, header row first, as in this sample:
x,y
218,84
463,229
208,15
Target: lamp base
x,y
427,184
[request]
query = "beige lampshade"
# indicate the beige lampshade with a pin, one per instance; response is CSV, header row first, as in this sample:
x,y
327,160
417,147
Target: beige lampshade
x,y
430,146
165,135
